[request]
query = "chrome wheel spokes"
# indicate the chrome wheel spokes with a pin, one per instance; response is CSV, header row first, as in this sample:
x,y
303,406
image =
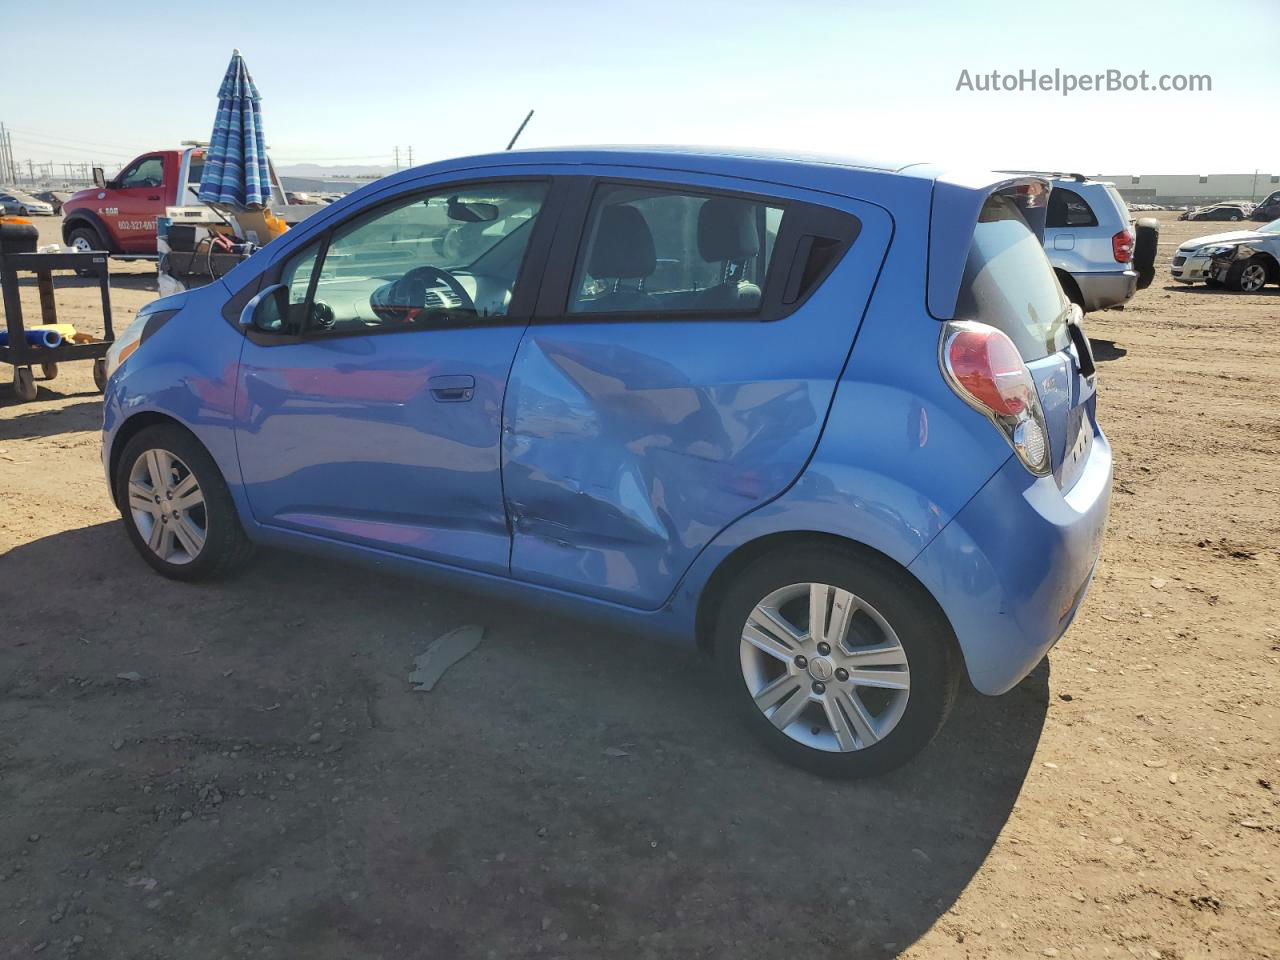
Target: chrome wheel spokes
x,y
825,667
167,506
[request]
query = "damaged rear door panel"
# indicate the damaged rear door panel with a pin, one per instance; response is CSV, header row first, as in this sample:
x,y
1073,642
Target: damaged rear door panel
x,y
632,436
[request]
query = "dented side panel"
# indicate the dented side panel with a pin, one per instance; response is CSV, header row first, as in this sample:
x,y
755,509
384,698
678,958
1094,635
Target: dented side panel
x,y
629,445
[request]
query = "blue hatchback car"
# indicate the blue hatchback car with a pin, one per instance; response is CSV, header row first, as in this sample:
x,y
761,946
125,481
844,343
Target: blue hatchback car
x,y
832,421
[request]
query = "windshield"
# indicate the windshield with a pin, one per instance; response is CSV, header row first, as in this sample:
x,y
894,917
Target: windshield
x,y
1009,284
1272,227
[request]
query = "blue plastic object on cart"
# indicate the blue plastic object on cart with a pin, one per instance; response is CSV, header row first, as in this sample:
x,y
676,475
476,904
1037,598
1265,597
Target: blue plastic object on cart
x,y
37,338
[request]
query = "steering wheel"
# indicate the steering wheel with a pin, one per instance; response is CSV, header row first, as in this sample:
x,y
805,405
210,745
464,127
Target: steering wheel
x,y
409,293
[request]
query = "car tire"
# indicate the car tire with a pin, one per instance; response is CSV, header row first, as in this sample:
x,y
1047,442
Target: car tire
x,y
853,723
1248,276
1071,288
165,467
1144,250
84,239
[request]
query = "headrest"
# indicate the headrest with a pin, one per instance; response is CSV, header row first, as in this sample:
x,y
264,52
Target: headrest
x,y
623,245
727,230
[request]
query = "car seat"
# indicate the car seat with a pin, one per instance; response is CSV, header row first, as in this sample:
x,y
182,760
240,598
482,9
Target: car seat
x,y
623,250
728,235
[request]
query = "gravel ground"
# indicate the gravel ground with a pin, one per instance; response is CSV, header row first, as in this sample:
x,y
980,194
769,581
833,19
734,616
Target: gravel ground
x,y
243,770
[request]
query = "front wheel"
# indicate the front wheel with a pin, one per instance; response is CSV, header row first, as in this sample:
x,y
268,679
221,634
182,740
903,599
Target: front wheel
x,y
841,664
1248,276
85,240
176,507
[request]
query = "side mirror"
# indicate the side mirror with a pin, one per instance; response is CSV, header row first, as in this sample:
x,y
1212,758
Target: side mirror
x,y
99,180
267,311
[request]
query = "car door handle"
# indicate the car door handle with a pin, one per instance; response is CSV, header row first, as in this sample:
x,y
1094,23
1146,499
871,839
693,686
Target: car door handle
x,y
454,388
156,197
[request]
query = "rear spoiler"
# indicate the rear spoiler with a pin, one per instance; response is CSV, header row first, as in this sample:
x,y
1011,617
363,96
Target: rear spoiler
x,y
954,210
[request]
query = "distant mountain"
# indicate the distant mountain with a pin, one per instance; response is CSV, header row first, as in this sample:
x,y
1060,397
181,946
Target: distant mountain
x,y
325,171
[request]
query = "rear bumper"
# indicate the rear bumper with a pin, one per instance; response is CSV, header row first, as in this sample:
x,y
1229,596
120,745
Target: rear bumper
x,y
1102,290
1011,569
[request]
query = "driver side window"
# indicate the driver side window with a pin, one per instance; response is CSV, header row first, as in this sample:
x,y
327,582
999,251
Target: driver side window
x,y
439,258
148,172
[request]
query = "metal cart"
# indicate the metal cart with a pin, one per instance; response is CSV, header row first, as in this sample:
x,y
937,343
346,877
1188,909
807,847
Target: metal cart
x,y
23,355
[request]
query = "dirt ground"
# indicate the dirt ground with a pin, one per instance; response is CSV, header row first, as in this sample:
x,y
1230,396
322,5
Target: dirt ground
x,y
269,786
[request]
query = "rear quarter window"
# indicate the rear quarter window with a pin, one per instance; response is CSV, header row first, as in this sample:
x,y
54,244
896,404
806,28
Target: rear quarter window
x,y
1009,284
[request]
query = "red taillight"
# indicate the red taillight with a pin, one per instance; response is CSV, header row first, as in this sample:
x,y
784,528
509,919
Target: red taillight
x,y
987,365
984,368
1122,246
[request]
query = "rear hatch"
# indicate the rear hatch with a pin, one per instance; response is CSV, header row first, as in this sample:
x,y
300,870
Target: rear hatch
x,y
1009,285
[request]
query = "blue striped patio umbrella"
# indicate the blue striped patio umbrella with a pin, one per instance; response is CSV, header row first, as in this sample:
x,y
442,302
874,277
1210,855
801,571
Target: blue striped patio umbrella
x,y
235,165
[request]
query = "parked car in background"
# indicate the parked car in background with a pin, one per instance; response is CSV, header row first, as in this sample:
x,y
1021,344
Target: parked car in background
x,y
1243,260
55,198
24,205
457,371
1220,211
1268,209
1100,255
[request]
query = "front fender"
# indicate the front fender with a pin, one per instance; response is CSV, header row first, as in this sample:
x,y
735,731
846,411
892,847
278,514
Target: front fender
x,y
83,217
185,372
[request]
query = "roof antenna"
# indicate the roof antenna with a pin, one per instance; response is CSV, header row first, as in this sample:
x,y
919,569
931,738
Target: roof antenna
x,y
520,130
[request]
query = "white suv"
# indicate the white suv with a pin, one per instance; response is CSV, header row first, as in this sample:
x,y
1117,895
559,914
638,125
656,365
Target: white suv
x,y
1101,257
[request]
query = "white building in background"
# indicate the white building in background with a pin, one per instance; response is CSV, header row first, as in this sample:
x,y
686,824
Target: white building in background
x,y
1193,188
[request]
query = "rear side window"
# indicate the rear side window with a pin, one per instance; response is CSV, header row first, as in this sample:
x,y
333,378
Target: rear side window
x,y
654,250
1009,284
1068,209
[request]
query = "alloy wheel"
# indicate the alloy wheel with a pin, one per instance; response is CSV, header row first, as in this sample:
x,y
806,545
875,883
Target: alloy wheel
x,y
825,667
1253,278
167,506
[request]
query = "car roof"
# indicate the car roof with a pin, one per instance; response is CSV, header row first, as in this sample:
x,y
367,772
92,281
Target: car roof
x,y
788,167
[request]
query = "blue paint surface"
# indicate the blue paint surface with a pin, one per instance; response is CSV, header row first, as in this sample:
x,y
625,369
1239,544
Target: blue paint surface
x,y
609,468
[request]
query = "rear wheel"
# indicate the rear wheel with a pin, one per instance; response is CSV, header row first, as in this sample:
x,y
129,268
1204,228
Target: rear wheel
x,y
176,506
1248,276
840,664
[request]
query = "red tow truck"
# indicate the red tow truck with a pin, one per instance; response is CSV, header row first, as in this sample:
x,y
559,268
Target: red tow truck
x,y
119,215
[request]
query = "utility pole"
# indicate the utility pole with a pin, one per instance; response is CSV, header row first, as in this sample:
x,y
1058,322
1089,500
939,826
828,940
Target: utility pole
x,y
6,165
397,158
411,156
1253,191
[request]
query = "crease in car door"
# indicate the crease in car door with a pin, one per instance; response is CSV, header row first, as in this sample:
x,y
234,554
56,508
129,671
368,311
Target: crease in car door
x,y
382,426
652,401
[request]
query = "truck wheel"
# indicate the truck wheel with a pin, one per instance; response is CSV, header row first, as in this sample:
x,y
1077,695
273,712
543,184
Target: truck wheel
x,y
85,239
1247,276
1144,250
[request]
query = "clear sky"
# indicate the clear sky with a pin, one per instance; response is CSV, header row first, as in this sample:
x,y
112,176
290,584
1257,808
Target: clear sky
x,y
347,82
